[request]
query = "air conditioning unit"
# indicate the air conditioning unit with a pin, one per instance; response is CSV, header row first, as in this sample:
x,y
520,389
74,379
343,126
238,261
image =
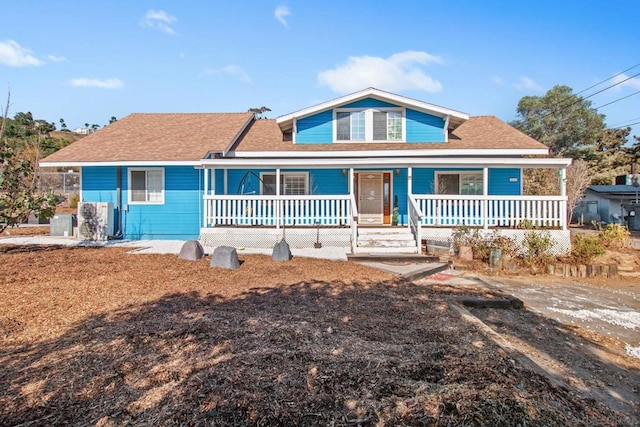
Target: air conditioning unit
x,y
95,220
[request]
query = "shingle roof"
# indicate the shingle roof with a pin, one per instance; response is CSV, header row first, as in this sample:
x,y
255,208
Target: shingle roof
x,y
156,137
477,133
189,137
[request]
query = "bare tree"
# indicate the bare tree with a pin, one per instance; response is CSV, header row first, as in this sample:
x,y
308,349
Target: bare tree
x,y
578,179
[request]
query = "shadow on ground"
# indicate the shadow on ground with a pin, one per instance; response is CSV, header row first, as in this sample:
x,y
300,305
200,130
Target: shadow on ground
x,y
306,354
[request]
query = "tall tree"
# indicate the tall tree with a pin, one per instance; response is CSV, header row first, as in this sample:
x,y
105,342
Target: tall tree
x,y
113,119
18,193
562,120
609,157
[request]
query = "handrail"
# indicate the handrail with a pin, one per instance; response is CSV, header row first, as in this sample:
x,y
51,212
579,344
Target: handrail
x,y
415,221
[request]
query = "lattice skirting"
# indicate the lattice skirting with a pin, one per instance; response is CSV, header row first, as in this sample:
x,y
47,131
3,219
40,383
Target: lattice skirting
x,y
259,237
441,237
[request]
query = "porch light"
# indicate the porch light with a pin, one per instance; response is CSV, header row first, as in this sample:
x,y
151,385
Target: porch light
x,y
397,172
344,172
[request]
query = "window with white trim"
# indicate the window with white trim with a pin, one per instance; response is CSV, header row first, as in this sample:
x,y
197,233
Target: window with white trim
x,y
146,186
460,183
369,125
291,183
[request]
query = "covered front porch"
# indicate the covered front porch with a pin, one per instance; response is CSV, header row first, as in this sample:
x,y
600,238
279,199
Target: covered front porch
x,y
372,195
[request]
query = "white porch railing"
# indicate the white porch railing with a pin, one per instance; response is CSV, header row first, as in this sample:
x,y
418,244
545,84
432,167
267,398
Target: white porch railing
x,y
490,211
277,211
415,222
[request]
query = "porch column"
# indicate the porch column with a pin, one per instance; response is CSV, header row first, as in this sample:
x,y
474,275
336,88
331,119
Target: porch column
x,y
563,193
278,202
351,178
485,201
409,194
225,180
206,193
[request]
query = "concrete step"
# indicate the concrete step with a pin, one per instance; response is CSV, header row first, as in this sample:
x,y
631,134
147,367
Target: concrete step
x,y
390,238
386,250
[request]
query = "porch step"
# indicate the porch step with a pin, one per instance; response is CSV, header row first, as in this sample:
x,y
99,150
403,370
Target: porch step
x,y
397,240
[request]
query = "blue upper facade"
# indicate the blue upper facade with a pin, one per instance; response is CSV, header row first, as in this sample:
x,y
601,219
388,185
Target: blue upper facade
x,y
416,126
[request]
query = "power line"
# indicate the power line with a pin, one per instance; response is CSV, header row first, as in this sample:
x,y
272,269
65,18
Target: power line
x,y
626,126
593,94
619,99
622,123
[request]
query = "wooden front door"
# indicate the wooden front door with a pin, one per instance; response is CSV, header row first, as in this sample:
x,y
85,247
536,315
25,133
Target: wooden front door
x,y
370,198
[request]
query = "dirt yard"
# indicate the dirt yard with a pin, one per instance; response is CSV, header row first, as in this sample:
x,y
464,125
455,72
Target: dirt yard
x,y
98,336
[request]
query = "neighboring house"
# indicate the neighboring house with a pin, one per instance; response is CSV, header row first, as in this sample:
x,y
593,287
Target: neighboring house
x,y
81,131
610,202
333,170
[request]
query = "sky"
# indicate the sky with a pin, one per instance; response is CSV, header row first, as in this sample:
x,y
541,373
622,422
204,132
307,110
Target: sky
x,y
86,61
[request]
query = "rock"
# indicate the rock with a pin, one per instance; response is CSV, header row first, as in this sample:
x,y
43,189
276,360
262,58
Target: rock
x,y
281,251
225,257
192,250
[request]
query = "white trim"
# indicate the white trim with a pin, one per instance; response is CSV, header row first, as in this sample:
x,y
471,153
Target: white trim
x,y
445,130
129,190
141,163
237,135
504,162
378,94
437,152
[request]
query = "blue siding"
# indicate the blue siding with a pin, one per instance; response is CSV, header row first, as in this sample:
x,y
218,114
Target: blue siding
x,y
423,127
321,181
501,183
99,184
368,103
499,180
316,129
178,218
219,178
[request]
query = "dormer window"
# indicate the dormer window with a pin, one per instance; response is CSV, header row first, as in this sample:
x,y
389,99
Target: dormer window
x,y
369,125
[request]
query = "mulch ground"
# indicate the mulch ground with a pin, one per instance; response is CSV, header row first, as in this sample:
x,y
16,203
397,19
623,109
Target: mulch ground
x,y
98,336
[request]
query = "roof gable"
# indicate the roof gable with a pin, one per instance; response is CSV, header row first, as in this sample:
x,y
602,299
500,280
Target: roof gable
x,y
456,117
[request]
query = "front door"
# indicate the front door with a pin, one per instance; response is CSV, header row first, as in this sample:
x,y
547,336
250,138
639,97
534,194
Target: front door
x,y
370,198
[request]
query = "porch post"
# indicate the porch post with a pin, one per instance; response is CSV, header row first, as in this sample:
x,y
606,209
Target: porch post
x,y
351,177
485,193
278,201
409,192
225,180
563,193
206,193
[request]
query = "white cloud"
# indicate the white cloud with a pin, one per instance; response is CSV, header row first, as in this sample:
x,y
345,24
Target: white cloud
x,y
159,20
54,58
14,55
497,80
527,83
230,70
400,71
281,14
625,81
104,84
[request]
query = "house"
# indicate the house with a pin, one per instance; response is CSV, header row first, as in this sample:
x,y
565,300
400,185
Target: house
x,y
337,171
612,203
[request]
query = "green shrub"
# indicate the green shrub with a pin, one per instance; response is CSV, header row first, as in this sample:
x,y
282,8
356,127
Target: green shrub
x,y
585,248
615,236
536,245
73,200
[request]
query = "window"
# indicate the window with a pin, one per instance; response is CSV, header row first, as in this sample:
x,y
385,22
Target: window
x,y
146,186
291,183
462,183
370,125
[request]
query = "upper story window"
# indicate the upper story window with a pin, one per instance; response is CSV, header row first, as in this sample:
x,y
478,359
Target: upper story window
x,y
146,186
369,125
